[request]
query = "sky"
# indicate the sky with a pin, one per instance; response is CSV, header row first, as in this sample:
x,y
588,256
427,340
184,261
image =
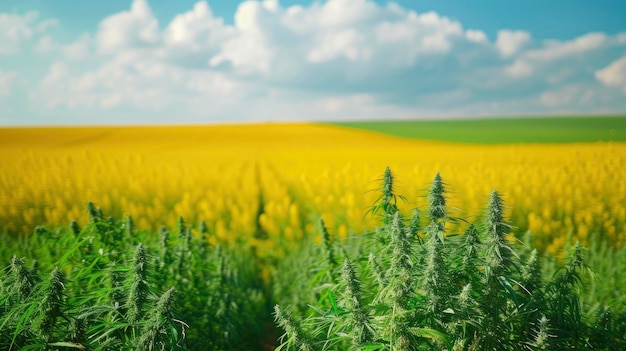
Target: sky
x,y
68,62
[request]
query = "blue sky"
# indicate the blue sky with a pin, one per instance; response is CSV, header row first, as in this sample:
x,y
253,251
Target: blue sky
x,y
157,61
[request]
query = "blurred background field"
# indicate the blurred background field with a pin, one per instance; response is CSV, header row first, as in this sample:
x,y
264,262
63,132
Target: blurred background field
x,y
505,131
266,183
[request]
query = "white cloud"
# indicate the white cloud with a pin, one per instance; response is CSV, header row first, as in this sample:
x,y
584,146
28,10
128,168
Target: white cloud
x,y
429,32
80,48
196,30
335,40
614,75
251,49
330,59
552,52
46,24
17,29
6,81
133,81
341,13
137,27
476,36
520,68
554,49
510,42
45,45
345,44
57,71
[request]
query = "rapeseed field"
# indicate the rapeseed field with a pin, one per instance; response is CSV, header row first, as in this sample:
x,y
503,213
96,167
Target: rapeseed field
x,y
268,182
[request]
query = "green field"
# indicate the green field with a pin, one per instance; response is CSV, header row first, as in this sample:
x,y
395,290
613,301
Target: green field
x,y
505,130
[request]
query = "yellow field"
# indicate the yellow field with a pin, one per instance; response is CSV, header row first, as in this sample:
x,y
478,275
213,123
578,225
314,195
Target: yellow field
x,y
296,173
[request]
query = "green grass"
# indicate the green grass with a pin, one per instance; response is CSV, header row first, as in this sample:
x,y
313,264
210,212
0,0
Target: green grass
x,y
505,131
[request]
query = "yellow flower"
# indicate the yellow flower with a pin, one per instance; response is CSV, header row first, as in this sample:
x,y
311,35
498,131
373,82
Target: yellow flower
x,y
281,178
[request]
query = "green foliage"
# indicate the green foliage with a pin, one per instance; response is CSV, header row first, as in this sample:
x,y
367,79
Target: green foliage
x,y
413,286
410,284
114,288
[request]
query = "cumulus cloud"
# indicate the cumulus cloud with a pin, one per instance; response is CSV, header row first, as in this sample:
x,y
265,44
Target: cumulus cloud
x,y
554,49
345,44
550,52
6,81
46,45
79,49
136,27
132,81
359,39
196,30
614,75
510,42
476,36
17,29
57,72
329,59
250,49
